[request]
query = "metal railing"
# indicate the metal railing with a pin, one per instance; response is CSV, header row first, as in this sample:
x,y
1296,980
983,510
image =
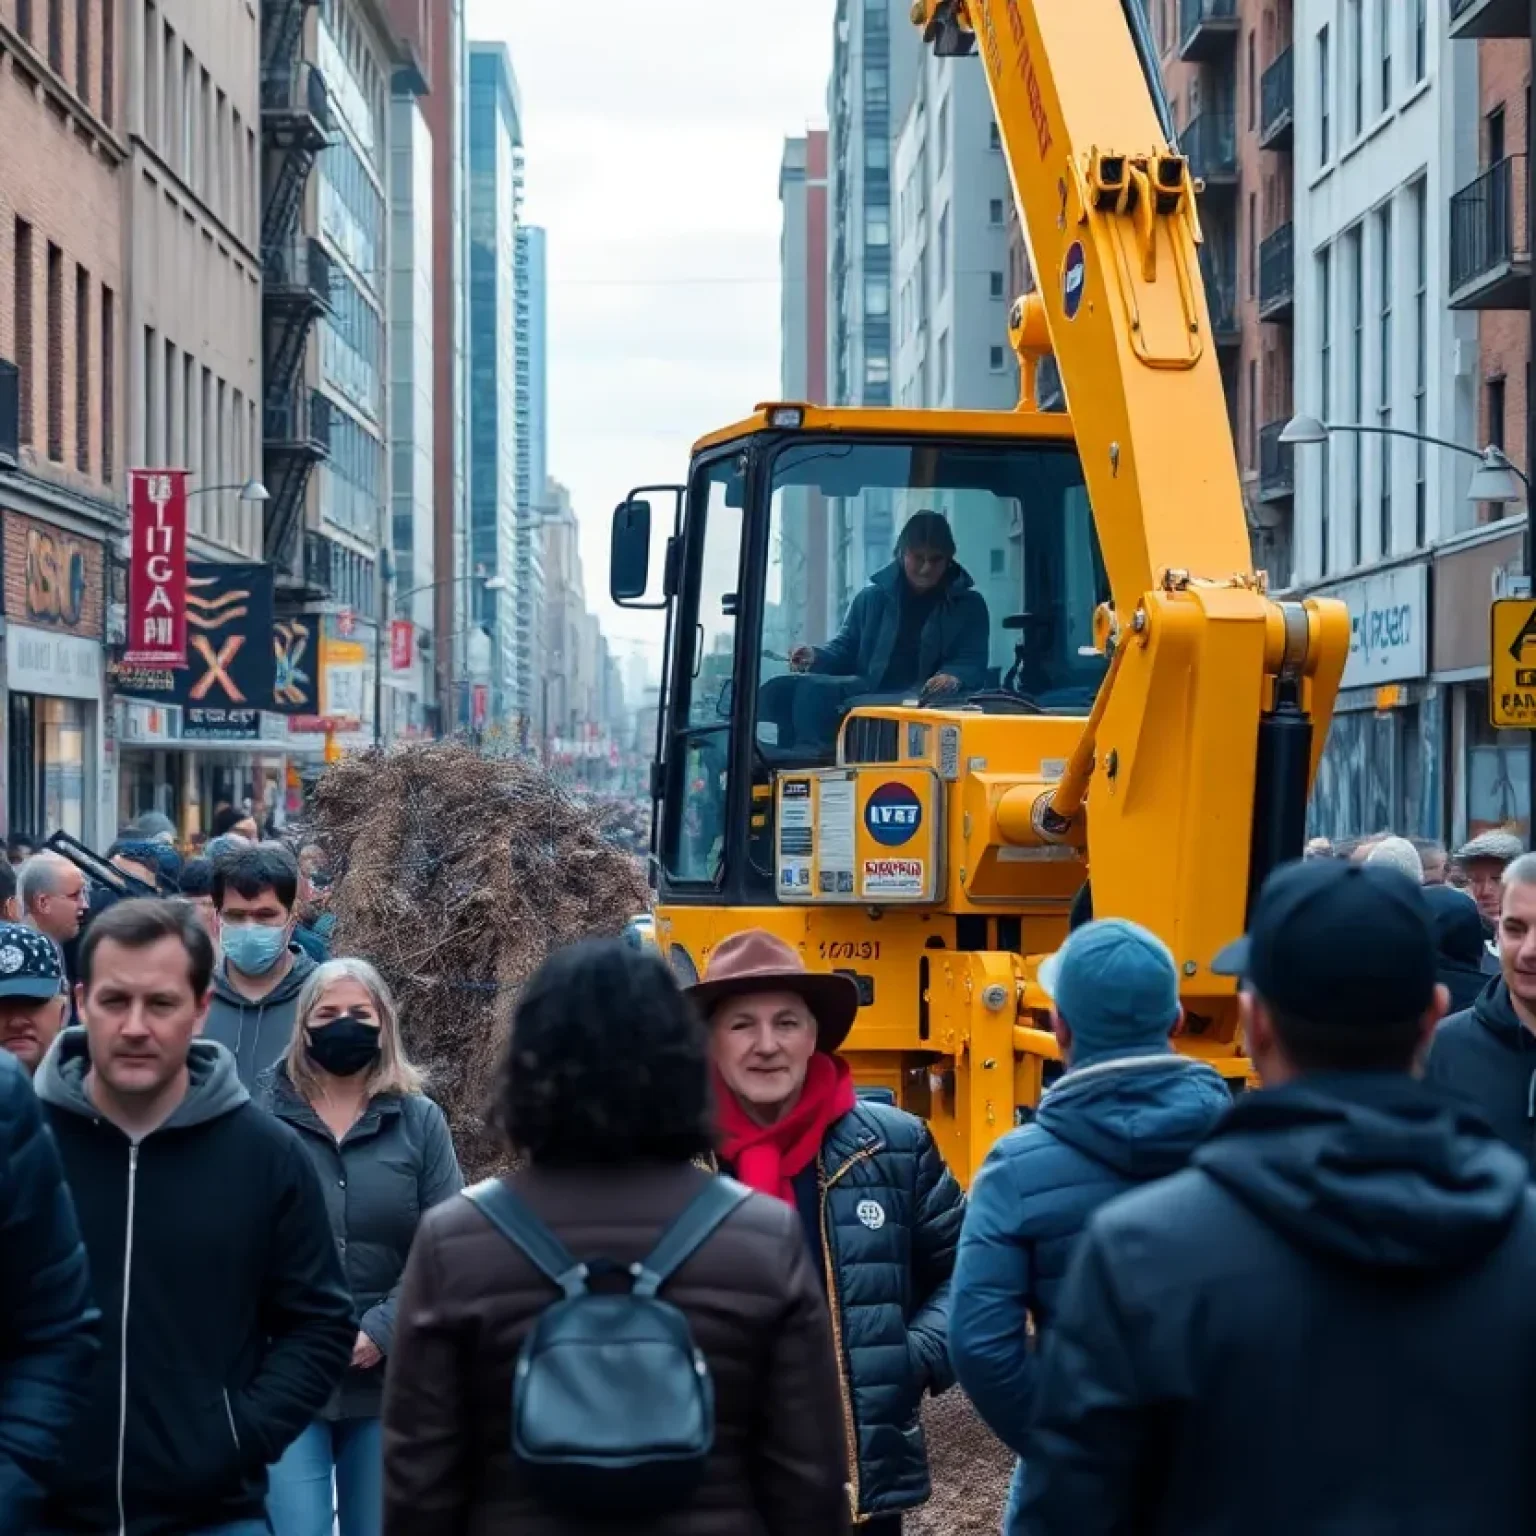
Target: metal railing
x,y
1489,223
299,266
1220,294
1277,462
299,90
1209,142
1277,268
1277,91
300,421
1194,14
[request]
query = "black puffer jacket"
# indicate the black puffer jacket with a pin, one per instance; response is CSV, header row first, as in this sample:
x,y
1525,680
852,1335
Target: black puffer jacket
x,y
1487,1058
891,1214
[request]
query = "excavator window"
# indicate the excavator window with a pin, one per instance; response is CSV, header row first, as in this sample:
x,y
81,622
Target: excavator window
x,y
852,614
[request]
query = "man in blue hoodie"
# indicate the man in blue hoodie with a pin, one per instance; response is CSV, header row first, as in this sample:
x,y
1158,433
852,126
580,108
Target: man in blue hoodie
x,y
1128,1109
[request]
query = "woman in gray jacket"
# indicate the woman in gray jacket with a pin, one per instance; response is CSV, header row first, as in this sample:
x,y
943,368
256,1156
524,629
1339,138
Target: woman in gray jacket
x,y
385,1157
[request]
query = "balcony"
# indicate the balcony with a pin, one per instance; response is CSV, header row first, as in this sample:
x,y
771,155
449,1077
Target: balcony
x,y
1277,110
1207,28
1221,298
1277,275
1277,464
1490,18
1209,142
1491,240
296,278
296,108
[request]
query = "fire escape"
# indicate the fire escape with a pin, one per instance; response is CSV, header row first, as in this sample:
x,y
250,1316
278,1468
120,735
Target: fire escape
x,y
296,124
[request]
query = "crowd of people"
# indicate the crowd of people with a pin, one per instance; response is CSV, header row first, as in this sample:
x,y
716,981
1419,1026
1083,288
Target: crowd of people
x,y
243,1287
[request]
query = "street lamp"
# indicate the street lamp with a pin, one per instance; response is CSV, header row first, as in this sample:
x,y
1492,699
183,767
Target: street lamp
x,y
253,490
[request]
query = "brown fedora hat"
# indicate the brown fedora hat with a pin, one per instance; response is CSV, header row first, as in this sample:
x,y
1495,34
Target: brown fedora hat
x,y
757,961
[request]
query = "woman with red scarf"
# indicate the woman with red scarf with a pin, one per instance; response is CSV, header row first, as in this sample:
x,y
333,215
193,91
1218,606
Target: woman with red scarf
x,y
880,1210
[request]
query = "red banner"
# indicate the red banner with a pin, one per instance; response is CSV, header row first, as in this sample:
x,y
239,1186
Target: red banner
x,y
400,634
157,569
479,703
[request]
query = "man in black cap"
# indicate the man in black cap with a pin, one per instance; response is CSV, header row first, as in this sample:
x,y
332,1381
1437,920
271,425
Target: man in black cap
x,y
32,1000
1324,1322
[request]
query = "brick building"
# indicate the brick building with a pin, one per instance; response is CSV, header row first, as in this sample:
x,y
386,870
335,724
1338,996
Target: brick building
x,y
62,326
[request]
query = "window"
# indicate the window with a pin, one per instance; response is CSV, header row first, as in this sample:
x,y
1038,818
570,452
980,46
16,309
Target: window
x,y
877,368
877,227
24,18
1495,411
995,359
943,287
1253,84
1356,67
169,75
22,299
55,353
1384,372
1324,90
877,297
1325,400
218,183
997,285
153,83
56,36
151,397
108,59
174,447
1420,49
994,135
877,152
1253,245
943,365
1494,129
877,87
1253,414
1354,245
188,115
1417,196
82,370
1384,18
108,386
943,136
995,211
83,50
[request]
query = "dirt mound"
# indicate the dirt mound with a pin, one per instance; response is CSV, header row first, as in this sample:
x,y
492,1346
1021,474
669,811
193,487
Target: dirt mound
x,y
456,874
971,1471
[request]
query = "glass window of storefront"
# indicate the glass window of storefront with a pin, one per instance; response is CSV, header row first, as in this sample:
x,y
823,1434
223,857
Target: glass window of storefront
x,y
1498,775
49,749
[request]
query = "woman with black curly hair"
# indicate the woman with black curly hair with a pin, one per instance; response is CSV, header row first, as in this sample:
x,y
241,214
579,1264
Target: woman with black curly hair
x,y
605,1100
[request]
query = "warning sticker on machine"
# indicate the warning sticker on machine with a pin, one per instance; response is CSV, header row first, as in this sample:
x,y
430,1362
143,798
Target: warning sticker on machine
x,y
834,835
893,877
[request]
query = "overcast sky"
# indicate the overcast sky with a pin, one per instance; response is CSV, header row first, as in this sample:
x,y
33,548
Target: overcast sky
x,y
654,131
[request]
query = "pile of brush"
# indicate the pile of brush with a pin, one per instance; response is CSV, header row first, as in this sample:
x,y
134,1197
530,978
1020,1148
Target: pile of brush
x,y
456,874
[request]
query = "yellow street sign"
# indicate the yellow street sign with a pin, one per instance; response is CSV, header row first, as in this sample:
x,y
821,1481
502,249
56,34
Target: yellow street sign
x,y
1512,657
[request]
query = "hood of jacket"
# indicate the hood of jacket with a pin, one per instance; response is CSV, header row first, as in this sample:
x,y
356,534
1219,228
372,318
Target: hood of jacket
x,y
1374,1169
214,1088
889,579
1140,1115
1496,1013
1458,925
286,990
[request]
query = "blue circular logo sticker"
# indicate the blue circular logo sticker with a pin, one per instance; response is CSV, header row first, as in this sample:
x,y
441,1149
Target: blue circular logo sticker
x,y
893,814
1073,277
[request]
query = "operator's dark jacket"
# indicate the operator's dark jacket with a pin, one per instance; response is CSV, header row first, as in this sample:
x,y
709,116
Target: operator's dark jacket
x,y
1106,1127
883,1212
391,1168
226,1320
1486,1058
469,1300
956,639
1323,1324
49,1325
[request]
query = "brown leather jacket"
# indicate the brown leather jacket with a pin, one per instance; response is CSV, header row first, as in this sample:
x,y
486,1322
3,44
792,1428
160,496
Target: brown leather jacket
x,y
757,1310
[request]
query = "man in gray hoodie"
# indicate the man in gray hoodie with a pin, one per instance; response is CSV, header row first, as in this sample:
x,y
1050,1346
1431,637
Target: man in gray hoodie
x,y
261,971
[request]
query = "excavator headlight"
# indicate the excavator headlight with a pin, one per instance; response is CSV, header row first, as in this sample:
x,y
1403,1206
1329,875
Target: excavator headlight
x,y
786,416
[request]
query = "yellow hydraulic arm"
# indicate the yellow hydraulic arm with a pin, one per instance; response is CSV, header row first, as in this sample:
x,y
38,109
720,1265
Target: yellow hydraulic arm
x,y
1189,765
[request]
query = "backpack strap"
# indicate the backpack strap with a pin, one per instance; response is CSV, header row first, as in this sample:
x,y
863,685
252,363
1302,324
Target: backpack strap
x,y
688,1232
512,1218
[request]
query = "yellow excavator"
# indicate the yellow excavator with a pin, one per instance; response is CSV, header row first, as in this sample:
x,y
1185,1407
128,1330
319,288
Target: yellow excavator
x,y
1145,713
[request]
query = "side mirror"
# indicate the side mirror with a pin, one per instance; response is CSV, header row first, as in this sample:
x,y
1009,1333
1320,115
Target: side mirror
x,y
629,553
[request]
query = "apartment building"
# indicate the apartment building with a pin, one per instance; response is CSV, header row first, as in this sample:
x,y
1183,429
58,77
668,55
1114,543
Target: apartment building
x,y
63,317
532,458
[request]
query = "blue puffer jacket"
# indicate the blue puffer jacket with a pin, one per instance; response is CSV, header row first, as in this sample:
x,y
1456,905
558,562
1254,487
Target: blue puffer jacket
x,y
891,1213
48,1321
956,639
1105,1127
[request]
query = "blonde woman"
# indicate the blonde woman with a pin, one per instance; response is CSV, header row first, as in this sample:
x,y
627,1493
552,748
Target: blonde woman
x,y
385,1158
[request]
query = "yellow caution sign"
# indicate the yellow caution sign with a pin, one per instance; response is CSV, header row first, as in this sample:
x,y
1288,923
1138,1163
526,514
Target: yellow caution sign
x,y
1512,658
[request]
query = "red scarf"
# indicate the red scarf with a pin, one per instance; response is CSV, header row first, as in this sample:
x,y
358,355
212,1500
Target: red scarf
x,y
767,1157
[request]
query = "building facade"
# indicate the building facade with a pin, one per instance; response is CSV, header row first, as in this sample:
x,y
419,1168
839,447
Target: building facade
x,y
495,139
63,440
528,647
1380,146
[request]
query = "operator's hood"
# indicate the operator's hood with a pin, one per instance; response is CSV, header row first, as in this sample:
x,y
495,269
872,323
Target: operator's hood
x,y
1140,1115
1376,1170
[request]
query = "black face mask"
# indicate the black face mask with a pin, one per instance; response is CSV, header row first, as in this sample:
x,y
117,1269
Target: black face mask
x,y
344,1047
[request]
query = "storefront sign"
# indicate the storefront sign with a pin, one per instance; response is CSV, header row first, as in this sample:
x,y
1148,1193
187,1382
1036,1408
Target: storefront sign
x,y
345,674
53,578
56,666
1512,657
1388,624
157,569
1466,582
230,672
296,654
400,647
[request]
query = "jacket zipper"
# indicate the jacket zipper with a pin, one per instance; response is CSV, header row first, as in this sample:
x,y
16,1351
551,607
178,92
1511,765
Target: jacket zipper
x,y
836,1309
229,1413
122,1373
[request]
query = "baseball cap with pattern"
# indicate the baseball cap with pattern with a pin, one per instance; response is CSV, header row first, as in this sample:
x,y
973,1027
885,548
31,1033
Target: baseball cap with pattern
x,y
29,963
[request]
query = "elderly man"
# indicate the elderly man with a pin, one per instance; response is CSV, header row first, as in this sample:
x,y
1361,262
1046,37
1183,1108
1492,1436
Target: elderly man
x,y
54,900
880,1210
1482,863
